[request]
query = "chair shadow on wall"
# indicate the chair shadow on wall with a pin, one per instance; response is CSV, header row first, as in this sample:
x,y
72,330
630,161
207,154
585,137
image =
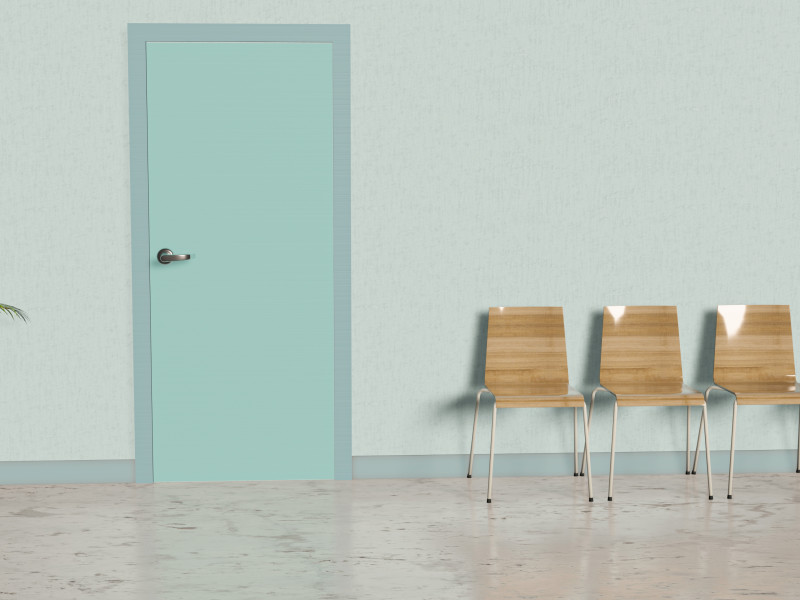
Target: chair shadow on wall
x,y
464,403
591,366
703,375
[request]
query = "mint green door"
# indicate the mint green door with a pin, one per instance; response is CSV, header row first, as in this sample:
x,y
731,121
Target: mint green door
x,y
239,162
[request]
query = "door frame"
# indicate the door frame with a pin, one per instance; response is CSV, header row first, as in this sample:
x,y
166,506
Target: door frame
x,y
339,37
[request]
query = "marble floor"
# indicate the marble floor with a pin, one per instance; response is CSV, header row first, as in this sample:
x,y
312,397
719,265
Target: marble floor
x,y
405,539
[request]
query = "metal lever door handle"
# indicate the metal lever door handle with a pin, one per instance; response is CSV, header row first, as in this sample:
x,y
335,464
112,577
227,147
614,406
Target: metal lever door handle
x,y
165,256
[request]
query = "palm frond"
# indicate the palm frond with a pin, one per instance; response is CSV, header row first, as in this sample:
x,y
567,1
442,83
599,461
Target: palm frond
x,y
14,312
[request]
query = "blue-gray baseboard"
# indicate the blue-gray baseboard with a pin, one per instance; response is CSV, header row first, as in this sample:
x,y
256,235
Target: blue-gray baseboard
x,y
626,463
443,465
67,471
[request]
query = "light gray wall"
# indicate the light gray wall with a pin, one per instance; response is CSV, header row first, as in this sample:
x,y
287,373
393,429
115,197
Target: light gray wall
x,y
512,153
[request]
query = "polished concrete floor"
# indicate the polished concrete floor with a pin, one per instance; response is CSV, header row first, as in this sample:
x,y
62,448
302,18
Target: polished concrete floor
x,y
406,539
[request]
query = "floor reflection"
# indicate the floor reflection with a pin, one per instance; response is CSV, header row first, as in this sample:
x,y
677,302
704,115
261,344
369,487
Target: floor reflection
x,y
409,539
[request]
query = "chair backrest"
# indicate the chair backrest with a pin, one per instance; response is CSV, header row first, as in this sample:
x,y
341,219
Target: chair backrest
x,y
526,352
641,350
754,345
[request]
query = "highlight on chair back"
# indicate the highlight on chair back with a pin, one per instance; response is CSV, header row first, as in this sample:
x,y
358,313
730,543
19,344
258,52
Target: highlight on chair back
x,y
526,367
640,365
754,361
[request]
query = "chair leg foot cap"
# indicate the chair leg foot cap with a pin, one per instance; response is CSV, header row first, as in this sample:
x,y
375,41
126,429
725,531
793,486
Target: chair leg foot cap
x,y
687,472
609,498
488,500
798,471
574,474
469,476
591,499
711,497
694,472
729,496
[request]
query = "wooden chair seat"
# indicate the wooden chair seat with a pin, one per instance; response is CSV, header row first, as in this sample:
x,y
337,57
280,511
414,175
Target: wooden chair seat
x,y
572,398
764,393
687,397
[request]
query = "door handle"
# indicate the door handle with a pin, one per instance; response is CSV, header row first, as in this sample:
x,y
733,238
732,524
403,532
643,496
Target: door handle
x,y
165,256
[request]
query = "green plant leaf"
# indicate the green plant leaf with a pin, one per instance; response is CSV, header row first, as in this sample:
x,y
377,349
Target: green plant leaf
x,y
14,312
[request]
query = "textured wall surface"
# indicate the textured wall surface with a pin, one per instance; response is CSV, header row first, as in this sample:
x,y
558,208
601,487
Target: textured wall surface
x,y
513,153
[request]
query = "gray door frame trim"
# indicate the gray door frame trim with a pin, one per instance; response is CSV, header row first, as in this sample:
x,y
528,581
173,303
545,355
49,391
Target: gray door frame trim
x,y
339,37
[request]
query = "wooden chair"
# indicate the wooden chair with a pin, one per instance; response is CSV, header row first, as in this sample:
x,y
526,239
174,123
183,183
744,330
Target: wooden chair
x,y
754,361
640,365
526,367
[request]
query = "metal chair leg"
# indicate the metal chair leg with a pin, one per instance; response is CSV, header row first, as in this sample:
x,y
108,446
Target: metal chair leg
x,y
688,435
591,409
708,454
586,453
700,430
575,437
474,430
798,450
697,448
613,447
491,455
733,442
